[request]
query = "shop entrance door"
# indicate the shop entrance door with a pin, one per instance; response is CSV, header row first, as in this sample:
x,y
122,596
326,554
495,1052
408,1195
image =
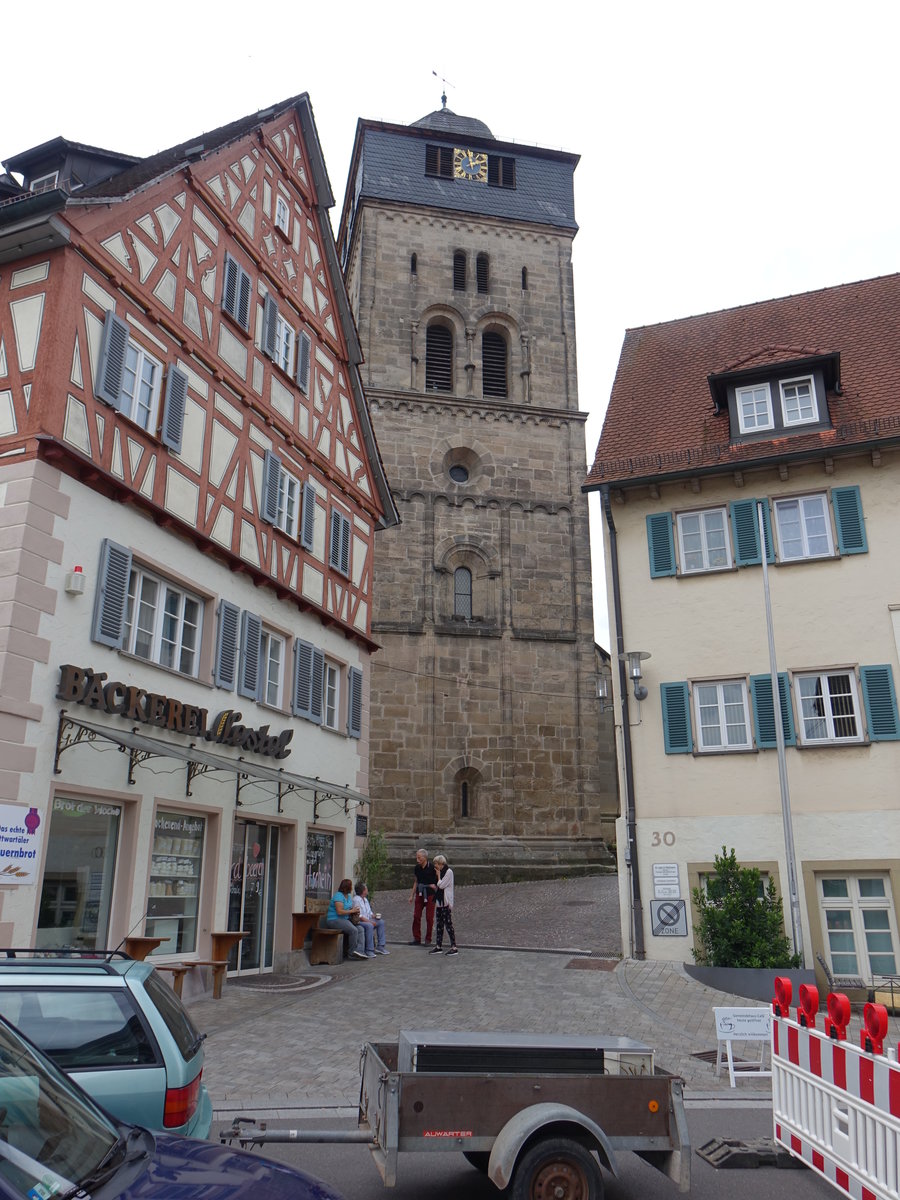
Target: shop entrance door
x,y
251,900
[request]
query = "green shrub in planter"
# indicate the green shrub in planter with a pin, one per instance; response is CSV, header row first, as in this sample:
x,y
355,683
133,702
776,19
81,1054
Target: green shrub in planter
x,y
372,866
738,926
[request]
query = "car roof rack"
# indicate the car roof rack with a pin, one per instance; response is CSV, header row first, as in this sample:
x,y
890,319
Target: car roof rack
x,y
49,953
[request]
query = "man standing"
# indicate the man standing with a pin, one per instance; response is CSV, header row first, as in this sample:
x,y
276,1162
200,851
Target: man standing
x,y
423,893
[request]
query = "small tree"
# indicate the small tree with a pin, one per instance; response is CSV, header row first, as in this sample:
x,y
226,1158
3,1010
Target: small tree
x,y
373,866
739,927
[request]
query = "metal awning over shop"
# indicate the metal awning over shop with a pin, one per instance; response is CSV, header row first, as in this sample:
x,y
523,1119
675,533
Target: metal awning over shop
x,y
139,747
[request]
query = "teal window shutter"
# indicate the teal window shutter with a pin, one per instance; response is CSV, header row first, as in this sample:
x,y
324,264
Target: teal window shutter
x,y
848,518
661,544
764,711
881,703
745,533
676,714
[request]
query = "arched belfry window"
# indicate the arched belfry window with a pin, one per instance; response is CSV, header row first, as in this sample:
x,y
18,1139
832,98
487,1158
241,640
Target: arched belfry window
x,y
493,364
462,593
459,271
438,359
482,273
413,264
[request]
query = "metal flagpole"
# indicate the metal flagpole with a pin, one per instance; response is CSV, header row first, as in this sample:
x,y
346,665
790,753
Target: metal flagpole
x,y
796,931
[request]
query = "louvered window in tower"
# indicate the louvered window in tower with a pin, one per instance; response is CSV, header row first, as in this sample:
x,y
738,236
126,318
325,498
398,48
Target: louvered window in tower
x,y
493,364
462,593
481,273
459,271
438,359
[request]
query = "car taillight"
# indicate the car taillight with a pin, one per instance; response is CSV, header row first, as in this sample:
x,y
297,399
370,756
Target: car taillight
x,y
181,1104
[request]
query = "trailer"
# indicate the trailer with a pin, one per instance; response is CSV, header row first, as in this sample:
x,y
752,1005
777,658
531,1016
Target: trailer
x,y
534,1113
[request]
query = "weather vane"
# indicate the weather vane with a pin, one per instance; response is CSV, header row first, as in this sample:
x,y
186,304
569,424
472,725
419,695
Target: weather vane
x,y
446,83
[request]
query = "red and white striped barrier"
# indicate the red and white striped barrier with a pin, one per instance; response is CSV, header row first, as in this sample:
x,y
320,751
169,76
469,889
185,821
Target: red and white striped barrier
x,y
835,1105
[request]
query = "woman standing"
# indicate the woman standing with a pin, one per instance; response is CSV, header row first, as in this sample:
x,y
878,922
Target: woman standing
x,y
338,917
444,906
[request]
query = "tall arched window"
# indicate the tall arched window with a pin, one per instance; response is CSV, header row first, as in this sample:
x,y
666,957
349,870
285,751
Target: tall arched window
x,y
482,273
413,264
493,364
459,271
524,279
464,798
462,593
438,359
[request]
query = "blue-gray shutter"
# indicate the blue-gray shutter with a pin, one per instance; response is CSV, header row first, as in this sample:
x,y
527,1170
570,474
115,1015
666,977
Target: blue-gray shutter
x,y
236,292
354,705
308,516
113,344
764,711
112,594
339,543
745,533
248,671
225,672
676,714
173,412
270,325
881,703
848,518
243,299
661,544
309,664
303,357
271,480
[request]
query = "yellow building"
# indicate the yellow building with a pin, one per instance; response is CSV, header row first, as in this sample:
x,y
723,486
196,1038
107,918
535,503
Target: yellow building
x,y
746,451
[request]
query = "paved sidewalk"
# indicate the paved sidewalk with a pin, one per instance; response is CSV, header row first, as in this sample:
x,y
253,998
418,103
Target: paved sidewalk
x,y
282,1044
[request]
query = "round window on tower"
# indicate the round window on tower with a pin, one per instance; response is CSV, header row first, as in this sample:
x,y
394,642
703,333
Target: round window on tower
x,y
460,466
458,473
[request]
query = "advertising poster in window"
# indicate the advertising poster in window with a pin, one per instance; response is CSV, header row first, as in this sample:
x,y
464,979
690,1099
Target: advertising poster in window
x,y
20,842
319,866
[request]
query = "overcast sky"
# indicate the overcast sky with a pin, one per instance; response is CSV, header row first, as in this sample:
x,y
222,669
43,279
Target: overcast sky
x,y
729,153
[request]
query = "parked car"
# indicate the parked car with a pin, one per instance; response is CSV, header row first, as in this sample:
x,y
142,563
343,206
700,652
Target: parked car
x,y
55,1141
117,1028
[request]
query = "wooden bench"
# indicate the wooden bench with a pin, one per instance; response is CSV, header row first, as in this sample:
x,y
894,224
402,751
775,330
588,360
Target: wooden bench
x,y
327,945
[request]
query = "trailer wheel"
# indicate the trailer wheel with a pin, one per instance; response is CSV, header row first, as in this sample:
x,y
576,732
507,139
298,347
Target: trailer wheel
x,y
479,1159
557,1169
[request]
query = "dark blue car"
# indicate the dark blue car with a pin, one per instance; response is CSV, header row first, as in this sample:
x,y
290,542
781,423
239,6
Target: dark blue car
x,y
56,1143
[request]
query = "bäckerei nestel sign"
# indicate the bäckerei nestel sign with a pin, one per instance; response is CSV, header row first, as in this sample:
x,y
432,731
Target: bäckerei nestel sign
x,y
81,685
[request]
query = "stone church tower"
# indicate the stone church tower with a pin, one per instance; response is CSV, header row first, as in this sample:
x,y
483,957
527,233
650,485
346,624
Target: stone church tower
x,y
486,735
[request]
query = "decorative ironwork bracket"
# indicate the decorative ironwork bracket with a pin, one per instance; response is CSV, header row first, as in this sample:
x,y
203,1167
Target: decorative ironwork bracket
x,y
193,770
68,734
135,758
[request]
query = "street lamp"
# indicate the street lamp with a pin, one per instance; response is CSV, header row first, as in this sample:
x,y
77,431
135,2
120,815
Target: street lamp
x,y
633,660
604,692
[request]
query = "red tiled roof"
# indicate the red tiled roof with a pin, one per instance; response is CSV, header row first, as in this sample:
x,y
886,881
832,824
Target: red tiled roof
x,y
661,418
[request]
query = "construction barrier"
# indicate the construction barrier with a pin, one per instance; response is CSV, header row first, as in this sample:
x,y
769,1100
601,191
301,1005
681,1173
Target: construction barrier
x,y
835,1105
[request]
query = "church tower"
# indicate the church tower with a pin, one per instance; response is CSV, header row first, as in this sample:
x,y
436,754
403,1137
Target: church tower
x,y
487,739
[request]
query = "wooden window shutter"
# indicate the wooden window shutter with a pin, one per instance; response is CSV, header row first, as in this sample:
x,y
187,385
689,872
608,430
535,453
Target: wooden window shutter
x,y
173,410
270,325
493,364
881,703
354,703
308,516
111,596
661,544
225,671
438,359
339,543
236,292
745,533
248,671
676,714
113,345
764,711
303,362
309,665
848,518
271,480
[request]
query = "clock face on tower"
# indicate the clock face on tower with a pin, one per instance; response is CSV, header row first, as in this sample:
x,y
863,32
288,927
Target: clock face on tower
x,y
470,164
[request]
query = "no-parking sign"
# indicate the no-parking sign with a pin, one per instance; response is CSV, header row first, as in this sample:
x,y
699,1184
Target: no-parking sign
x,y
668,918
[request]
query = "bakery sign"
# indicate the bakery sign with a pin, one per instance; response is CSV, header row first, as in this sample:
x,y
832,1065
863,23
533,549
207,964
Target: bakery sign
x,y
82,685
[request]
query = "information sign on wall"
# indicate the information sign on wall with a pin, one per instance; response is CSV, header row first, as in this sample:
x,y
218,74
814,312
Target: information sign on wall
x,y
20,843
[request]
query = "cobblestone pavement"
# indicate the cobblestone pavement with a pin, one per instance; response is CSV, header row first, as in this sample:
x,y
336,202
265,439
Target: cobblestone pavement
x,y
288,1043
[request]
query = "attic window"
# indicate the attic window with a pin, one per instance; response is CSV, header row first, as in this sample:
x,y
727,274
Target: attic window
x,y
501,171
778,398
282,216
45,183
439,161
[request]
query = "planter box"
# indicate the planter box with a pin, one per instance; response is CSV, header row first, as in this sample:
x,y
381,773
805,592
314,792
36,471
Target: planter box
x,y
754,983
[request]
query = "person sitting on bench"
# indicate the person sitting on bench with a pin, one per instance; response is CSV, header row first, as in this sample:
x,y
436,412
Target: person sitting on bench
x,y
339,917
371,923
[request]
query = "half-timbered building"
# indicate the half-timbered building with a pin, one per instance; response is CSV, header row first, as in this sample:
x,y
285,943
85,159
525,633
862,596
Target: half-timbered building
x,y
189,495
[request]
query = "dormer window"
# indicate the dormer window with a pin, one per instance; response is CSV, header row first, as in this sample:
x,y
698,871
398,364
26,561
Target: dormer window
x,y
798,401
754,405
45,183
778,398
